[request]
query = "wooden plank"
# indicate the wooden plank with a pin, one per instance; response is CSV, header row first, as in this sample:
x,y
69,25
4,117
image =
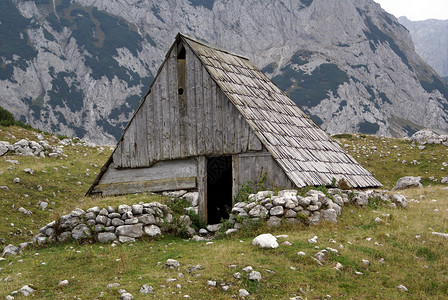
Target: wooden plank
x,y
235,176
209,112
173,107
165,110
192,110
141,140
200,107
117,154
226,120
218,121
146,186
150,132
160,170
202,187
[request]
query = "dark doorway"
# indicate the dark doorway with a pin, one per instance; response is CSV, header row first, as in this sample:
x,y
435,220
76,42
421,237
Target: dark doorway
x,y
219,188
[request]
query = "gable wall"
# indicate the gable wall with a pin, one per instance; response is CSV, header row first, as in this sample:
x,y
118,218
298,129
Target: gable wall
x,y
200,122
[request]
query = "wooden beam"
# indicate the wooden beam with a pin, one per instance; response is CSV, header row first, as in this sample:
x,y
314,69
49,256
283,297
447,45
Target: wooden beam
x,y
123,188
202,187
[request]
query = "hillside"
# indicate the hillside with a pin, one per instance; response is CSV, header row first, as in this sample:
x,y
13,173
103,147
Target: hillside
x,y
80,67
401,250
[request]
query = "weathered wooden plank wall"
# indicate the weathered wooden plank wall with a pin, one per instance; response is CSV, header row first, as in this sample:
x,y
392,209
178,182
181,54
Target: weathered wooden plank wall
x,y
162,176
201,121
250,166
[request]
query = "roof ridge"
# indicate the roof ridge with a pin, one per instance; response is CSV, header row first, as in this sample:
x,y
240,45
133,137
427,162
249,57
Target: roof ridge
x,y
206,44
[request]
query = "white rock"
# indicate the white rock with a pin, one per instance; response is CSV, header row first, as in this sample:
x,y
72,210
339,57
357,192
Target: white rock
x,y
63,282
301,253
445,235
152,231
408,182
402,288
26,290
255,276
10,250
338,266
265,241
313,240
146,289
172,263
248,269
243,293
211,283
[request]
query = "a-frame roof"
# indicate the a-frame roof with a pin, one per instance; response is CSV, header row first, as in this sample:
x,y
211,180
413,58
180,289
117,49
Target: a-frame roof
x,y
307,155
303,150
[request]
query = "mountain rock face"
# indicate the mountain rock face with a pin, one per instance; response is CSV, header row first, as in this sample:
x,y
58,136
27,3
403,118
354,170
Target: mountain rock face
x,y
80,67
431,41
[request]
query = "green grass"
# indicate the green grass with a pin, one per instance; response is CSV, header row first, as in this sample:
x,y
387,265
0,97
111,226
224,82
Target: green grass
x,y
421,264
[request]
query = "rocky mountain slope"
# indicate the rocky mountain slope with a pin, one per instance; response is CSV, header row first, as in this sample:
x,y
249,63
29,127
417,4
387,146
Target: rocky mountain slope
x,y
431,41
80,67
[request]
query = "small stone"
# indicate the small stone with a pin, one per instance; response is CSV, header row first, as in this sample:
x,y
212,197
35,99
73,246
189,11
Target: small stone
x,y
365,263
146,289
237,275
152,231
255,276
313,240
402,288
26,290
265,241
16,180
106,237
231,230
172,264
63,282
301,253
213,228
211,283
338,266
10,250
137,209
243,293
126,296
248,269
29,171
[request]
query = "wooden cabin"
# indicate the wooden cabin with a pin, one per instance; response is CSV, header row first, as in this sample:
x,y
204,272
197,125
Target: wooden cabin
x,y
210,122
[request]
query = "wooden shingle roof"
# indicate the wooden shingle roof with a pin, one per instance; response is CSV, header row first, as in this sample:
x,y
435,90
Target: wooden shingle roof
x,y
303,150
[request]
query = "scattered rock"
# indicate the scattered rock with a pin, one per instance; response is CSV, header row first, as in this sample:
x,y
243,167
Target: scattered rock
x,y
402,288
399,200
172,264
26,290
146,289
63,283
10,250
408,182
265,241
243,293
445,235
211,283
255,276
313,240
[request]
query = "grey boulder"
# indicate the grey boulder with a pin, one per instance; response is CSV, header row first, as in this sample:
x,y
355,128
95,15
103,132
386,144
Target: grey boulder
x,y
408,182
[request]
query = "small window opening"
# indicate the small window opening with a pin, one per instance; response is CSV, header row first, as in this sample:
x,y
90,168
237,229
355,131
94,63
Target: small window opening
x,y
181,54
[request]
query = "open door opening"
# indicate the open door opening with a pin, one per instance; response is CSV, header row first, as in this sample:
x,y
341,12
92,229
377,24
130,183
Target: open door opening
x,y
219,188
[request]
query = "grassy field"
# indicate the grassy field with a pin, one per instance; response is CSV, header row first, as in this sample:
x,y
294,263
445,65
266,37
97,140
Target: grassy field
x,y
401,250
